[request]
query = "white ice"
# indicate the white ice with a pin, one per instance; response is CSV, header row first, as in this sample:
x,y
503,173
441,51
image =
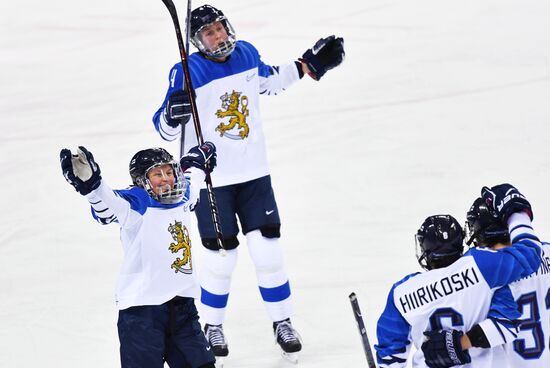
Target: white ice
x,y
435,99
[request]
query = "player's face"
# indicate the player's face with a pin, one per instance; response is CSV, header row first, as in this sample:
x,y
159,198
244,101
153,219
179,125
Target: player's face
x,y
213,34
161,178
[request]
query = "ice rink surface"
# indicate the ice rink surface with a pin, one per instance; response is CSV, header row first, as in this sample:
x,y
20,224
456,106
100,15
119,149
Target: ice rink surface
x,y
435,99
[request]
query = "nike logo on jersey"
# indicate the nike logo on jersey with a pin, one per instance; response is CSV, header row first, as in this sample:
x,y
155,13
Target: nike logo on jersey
x,y
269,212
208,348
250,77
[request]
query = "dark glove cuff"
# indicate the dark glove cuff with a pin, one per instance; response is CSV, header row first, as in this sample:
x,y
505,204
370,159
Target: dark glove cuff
x,y
316,69
186,164
300,70
175,122
477,337
89,186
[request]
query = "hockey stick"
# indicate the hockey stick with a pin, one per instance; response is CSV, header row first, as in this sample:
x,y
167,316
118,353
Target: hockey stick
x,y
195,114
362,330
187,35
188,25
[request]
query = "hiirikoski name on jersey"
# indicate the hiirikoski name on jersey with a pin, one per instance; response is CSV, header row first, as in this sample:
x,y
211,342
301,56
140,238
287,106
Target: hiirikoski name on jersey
x,y
438,289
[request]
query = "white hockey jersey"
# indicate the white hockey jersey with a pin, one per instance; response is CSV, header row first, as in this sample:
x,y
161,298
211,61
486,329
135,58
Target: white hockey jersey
x,y
228,102
531,348
455,297
158,262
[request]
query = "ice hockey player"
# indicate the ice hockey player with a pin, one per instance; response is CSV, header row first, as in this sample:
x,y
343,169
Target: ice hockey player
x,y
532,294
456,291
228,77
158,320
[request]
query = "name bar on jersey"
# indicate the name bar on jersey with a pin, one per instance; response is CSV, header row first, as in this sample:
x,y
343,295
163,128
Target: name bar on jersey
x,y
438,289
544,268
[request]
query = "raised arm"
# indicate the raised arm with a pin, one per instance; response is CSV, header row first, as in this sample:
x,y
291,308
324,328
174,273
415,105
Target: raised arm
x,y
83,173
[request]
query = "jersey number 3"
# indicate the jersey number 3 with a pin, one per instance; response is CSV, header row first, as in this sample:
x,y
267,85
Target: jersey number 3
x,y
531,323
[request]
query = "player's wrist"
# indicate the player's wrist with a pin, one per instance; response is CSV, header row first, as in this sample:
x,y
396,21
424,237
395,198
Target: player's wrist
x,y
305,69
465,342
299,68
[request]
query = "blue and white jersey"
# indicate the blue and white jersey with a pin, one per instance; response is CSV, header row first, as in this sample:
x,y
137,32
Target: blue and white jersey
x,y
228,102
455,297
531,346
158,263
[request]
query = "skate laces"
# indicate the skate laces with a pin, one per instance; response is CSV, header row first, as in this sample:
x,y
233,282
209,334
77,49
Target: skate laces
x,y
215,335
286,332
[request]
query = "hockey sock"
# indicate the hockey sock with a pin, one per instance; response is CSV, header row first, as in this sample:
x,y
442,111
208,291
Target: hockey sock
x,y
267,256
215,279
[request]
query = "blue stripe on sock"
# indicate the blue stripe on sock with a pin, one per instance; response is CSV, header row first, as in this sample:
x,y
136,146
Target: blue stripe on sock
x,y
213,300
275,294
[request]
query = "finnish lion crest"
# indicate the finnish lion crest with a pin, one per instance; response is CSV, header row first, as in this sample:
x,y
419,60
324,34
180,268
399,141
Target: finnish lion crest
x,y
180,234
237,118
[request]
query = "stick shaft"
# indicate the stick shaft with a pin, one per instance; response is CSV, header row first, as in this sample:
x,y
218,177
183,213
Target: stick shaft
x,y
362,330
196,122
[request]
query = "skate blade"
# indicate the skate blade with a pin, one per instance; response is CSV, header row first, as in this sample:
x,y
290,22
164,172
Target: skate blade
x,y
291,357
220,361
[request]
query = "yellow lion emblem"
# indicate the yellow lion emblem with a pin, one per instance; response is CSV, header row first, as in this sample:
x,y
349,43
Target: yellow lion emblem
x,y
180,234
238,118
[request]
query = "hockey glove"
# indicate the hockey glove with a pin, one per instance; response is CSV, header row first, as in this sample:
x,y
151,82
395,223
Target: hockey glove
x,y
80,170
202,157
326,54
504,200
443,349
178,109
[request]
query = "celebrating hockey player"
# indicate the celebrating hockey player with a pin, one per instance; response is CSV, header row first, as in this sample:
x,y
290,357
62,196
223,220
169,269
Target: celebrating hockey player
x,y
529,348
228,76
158,320
456,292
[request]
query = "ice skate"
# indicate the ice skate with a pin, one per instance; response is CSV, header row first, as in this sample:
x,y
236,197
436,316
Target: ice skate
x,y
288,339
216,339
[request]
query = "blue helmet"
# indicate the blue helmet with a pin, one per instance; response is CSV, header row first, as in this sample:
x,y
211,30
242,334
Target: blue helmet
x,y
201,18
439,242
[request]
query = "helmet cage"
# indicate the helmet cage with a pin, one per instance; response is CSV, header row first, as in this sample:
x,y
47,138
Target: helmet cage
x,y
171,196
146,160
223,49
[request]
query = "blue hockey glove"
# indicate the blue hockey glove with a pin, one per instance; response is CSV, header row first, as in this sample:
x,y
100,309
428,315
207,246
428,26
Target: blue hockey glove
x,y
202,157
327,53
442,349
504,200
80,170
178,109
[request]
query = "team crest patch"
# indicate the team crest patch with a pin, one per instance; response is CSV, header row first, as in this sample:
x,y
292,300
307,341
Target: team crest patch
x,y
180,234
236,128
